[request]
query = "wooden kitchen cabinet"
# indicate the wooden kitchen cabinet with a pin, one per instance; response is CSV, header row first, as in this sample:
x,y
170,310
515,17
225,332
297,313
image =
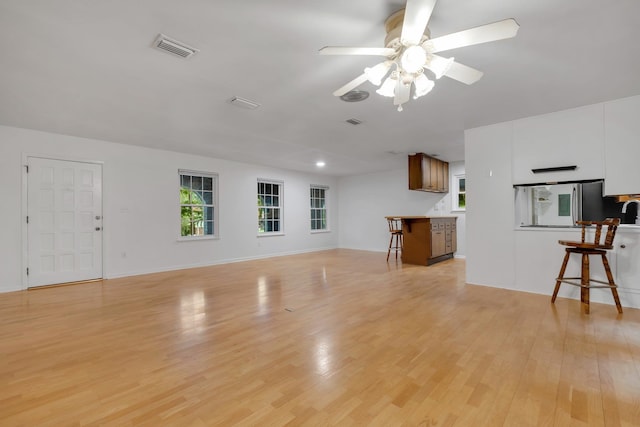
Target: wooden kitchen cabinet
x,y
427,173
427,240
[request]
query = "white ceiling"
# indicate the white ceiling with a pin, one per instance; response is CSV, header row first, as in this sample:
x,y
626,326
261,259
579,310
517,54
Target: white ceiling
x,y
86,68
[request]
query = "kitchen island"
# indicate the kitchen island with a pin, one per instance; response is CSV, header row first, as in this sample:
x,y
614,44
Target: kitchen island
x,y
427,240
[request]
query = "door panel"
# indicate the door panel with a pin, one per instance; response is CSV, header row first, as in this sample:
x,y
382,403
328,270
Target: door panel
x,y
64,232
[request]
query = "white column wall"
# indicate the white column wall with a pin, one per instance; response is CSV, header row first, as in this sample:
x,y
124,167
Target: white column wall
x,y
141,211
490,206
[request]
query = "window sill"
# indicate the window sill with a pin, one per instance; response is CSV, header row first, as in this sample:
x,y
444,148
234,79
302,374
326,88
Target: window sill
x,y
270,234
320,231
459,210
196,238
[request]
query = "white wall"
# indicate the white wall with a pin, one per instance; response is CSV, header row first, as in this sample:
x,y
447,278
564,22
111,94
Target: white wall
x,y
365,200
141,213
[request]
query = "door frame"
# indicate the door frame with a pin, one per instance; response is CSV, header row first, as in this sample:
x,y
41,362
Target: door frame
x,y
24,208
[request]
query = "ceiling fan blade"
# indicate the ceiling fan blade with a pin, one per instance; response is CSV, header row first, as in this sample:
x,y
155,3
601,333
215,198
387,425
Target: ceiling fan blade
x,y
340,50
351,85
463,73
485,33
416,18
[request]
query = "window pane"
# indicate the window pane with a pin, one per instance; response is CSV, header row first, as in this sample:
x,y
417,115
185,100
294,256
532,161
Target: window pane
x,y
196,182
276,213
462,202
208,197
275,189
208,228
461,184
276,201
208,215
207,183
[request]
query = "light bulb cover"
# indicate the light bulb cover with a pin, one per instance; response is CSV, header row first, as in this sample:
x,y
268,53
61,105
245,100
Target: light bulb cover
x,y
422,86
388,88
413,59
439,65
376,73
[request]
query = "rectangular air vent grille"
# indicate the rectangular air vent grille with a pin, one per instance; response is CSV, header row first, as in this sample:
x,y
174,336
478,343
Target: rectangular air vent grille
x,y
174,47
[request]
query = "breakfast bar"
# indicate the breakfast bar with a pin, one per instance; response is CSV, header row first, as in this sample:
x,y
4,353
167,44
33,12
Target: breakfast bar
x,y
428,240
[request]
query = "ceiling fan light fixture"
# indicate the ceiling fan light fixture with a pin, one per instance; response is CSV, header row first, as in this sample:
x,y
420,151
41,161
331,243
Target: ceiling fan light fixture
x,y
422,86
439,65
388,88
377,73
413,59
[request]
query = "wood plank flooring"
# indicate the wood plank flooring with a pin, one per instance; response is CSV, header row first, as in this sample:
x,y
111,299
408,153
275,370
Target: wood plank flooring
x,y
336,337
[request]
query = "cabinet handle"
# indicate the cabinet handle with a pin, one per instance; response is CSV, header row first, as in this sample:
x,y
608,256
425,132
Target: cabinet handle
x,y
623,246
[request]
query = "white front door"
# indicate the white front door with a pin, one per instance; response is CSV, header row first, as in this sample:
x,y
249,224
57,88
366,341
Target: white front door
x,y
64,221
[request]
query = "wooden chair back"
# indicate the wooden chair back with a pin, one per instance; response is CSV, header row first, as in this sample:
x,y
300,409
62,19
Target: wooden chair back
x,y
395,224
611,225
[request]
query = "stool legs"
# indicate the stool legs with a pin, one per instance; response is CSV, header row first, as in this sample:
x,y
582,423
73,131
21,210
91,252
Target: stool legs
x,y
560,276
614,291
397,246
585,280
584,283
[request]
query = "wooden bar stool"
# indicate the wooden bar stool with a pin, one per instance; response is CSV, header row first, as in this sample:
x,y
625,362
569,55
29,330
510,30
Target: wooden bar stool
x,y
395,228
585,249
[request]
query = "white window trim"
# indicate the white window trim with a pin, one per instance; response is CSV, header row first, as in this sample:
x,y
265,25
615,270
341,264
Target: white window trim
x,y
455,191
216,222
280,205
326,208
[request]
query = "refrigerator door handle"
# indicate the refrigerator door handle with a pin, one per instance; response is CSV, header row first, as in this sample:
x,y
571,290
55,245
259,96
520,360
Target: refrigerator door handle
x,y
576,213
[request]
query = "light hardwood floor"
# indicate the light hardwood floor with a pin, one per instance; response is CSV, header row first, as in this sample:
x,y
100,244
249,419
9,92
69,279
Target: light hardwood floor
x,y
329,338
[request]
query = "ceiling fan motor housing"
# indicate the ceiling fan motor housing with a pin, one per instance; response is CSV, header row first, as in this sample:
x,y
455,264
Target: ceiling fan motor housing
x,y
393,27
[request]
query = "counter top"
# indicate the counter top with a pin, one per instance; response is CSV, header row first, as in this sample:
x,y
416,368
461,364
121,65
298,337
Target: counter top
x,y
419,217
622,228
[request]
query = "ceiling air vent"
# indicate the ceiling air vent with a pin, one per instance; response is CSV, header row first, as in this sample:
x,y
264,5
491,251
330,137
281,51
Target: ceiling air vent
x,y
174,47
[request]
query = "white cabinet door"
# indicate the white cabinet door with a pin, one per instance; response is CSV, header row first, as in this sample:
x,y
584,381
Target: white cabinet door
x,y
627,268
567,138
622,145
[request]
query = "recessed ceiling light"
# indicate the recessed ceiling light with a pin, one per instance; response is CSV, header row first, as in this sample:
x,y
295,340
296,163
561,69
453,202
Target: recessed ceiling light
x,y
355,96
320,164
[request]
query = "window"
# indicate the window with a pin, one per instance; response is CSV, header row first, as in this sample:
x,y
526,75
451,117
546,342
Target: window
x,y
198,199
270,207
459,194
318,198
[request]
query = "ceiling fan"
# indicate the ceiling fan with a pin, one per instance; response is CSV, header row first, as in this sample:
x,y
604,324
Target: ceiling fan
x,y
410,50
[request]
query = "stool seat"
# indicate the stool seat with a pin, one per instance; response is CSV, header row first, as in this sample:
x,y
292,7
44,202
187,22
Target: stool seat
x,y
584,245
585,249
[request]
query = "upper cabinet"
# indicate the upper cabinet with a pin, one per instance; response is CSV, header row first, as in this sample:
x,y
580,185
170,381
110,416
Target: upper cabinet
x,y
622,143
428,174
562,146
